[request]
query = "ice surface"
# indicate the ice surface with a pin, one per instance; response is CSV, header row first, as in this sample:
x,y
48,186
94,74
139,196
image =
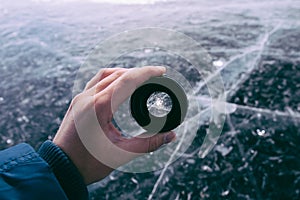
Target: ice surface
x,y
253,44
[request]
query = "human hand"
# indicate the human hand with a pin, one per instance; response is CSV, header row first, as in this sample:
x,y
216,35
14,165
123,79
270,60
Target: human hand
x,y
87,134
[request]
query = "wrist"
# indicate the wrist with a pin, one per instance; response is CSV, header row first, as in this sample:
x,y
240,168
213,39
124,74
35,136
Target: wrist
x,y
65,171
89,167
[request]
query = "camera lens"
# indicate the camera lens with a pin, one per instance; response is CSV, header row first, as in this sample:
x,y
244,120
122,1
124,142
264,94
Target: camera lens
x,y
159,104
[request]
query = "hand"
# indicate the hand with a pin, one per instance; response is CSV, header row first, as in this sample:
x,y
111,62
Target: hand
x,y
87,134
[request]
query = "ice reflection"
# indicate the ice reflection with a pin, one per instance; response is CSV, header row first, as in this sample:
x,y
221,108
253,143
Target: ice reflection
x,y
218,63
159,104
260,132
9,141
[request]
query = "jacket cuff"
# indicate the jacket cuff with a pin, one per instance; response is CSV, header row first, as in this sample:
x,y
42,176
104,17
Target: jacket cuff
x,y
65,171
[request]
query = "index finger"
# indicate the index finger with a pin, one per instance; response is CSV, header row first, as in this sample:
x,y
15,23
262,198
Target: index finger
x,y
125,85
137,76
101,74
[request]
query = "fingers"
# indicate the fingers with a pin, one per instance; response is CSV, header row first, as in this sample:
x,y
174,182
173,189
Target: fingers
x,y
158,140
149,144
137,76
111,91
101,75
124,86
101,85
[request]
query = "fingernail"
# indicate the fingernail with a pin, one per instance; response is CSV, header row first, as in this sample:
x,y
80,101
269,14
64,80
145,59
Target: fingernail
x,y
163,69
169,137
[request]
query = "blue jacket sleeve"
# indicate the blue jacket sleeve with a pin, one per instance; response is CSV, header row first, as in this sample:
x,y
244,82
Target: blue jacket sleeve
x,y
26,174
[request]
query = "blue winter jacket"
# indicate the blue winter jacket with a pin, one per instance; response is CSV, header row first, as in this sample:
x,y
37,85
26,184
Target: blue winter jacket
x,y
46,174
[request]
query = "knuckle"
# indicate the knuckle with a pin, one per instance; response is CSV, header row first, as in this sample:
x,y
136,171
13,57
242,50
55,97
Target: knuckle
x,y
154,143
101,73
148,69
102,100
99,87
127,78
88,84
119,72
149,145
157,142
77,98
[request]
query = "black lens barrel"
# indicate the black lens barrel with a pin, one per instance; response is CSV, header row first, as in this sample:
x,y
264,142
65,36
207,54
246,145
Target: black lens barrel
x,y
155,124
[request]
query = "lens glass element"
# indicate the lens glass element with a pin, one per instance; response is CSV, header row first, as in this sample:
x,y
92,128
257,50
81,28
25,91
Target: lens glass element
x,y
159,104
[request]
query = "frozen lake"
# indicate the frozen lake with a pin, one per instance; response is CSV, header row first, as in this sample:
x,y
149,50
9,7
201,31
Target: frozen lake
x,y
254,45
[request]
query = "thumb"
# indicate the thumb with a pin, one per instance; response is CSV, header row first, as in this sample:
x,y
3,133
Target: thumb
x,y
143,144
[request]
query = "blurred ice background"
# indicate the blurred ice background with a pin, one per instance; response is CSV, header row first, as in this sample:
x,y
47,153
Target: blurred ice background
x,y
254,43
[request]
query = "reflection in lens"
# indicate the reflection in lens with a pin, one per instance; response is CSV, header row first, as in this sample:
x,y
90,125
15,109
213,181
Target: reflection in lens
x,y
159,104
